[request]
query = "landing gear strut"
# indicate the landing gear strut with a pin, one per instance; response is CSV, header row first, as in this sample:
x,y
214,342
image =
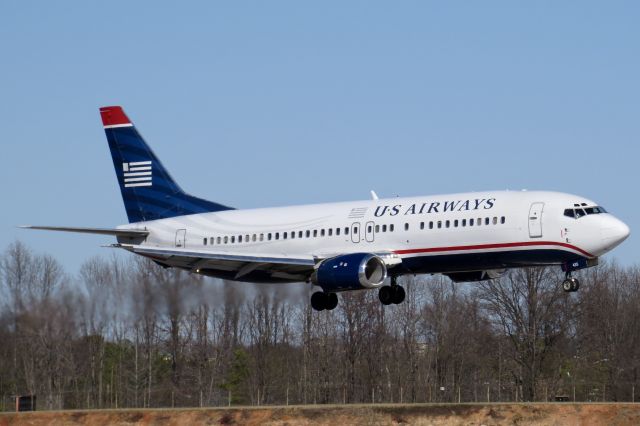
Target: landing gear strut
x,y
570,284
393,293
321,301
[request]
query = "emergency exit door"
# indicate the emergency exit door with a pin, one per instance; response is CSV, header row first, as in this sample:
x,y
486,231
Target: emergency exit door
x,y
355,232
535,220
369,232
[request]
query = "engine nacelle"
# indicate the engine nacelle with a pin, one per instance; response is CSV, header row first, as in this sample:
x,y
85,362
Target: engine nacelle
x,y
463,277
354,271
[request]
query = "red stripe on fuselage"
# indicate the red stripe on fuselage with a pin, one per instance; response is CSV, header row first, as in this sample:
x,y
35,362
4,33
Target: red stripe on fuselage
x,y
493,246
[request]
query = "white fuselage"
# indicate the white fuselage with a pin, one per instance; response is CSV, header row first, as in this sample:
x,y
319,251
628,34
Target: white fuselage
x,y
431,234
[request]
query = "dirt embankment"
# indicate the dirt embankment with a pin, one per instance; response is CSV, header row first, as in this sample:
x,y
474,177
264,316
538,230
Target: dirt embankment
x,y
342,415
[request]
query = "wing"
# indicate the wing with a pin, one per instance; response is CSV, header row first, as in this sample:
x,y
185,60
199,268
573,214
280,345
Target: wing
x,y
249,267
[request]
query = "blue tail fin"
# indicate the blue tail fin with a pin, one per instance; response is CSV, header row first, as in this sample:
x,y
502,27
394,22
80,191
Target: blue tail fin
x,y
148,191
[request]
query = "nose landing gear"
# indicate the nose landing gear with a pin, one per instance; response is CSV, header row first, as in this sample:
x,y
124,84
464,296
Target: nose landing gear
x,y
570,284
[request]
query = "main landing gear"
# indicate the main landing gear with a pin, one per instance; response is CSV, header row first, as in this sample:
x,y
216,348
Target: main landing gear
x,y
321,301
570,284
393,293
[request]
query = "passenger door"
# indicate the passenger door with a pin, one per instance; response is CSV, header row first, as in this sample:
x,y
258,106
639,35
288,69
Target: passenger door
x,y
535,220
181,237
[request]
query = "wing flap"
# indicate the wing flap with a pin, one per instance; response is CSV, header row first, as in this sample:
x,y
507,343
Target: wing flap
x,y
229,257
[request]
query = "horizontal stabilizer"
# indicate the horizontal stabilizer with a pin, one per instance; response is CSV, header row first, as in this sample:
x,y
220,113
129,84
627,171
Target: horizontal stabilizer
x,y
131,233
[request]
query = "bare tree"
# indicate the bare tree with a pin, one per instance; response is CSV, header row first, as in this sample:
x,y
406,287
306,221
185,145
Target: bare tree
x,y
525,305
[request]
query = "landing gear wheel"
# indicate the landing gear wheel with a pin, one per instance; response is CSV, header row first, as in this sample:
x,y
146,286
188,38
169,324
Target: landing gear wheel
x,y
331,301
321,301
567,285
318,301
385,294
575,284
398,294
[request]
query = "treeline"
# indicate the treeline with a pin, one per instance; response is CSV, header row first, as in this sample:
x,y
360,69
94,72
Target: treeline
x,y
123,332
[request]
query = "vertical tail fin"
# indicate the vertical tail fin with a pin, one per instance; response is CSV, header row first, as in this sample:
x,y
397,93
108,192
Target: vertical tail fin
x,y
148,191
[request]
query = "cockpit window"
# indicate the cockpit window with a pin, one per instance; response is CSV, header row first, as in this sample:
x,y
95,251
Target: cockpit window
x,y
577,212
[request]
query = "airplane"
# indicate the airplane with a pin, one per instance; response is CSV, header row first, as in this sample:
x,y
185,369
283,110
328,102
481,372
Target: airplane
x,y
348,246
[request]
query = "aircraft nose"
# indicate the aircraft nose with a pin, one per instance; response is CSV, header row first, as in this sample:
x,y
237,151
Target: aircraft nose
x,y
614,231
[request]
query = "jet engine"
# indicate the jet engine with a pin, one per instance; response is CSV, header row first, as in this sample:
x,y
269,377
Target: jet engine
x,y
463,277
354,271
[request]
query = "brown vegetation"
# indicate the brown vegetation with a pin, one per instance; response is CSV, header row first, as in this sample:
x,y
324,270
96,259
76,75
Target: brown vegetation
x,y
329,415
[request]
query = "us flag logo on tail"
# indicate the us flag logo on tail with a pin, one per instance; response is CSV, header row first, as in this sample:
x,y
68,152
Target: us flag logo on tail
x,y
137,174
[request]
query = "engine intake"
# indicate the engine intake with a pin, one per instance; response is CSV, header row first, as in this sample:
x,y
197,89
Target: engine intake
x,y
354,271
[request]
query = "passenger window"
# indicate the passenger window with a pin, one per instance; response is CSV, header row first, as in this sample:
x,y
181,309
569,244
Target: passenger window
x,y
253,238
284,235
377,228
470,222
431,225
261,237
455,223
447,223
439,224
495,220
308,233
338,231
503,220
299,234
239,238
421,225
226,239
464,222
346,230
293,234
486,220
315,233
269,236
233,239
322,232
211,240
391,228
204,242
218,240
406,226
384,228
330,231
479,222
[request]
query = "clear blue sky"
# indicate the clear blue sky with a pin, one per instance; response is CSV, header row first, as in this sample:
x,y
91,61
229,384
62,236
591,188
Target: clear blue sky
x,y
285,102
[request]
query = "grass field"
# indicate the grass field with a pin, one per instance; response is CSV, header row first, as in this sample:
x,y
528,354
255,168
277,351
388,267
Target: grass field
x,y
342,415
